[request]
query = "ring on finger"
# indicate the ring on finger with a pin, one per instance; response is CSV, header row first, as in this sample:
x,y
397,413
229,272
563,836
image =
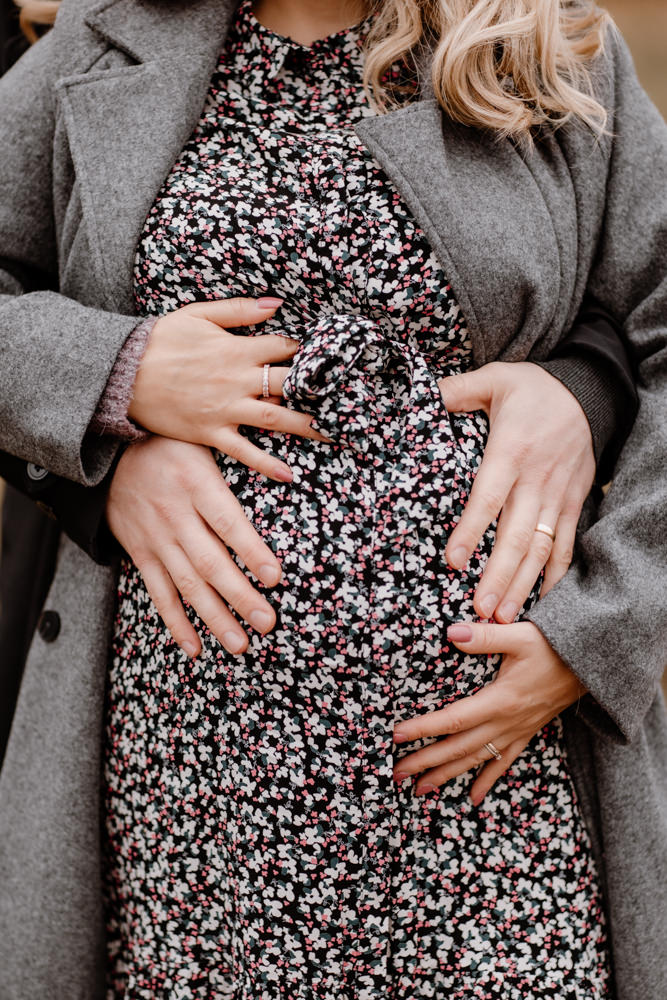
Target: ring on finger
x,y
546,530
493,750
266,391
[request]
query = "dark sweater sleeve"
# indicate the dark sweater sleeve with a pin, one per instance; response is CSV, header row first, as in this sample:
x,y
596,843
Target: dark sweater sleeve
x,y
593,362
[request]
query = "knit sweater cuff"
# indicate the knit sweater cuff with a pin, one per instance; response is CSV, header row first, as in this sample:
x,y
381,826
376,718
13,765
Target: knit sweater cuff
x,y
595,392
111,414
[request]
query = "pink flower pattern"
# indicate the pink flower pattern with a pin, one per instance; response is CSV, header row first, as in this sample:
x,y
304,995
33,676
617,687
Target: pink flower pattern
x,y
256,845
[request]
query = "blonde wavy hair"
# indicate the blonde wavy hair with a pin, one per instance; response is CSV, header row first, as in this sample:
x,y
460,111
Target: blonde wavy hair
x,y
509,66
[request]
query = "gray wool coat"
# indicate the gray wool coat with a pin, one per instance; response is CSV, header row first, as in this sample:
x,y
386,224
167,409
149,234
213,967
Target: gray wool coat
x,y
91,121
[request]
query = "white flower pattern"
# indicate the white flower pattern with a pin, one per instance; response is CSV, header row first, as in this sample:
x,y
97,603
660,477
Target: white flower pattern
x,y
256,846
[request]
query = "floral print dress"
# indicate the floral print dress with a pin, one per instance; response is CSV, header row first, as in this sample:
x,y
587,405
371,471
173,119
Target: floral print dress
x,y
256,845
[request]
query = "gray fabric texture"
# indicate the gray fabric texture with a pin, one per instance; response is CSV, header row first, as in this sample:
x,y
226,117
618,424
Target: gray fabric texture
x,y
91,121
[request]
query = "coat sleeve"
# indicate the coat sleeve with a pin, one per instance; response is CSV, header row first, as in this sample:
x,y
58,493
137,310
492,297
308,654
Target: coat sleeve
x,y
607,618
56,354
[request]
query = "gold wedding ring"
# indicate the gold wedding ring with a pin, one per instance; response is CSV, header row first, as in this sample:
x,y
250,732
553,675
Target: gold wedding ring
x,y
546,530
489,747
266,392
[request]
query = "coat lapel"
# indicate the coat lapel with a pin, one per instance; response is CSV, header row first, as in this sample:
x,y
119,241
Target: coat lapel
x,y
128,120
130,115
466,192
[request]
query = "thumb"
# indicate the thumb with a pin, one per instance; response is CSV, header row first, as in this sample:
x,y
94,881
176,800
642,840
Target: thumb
x,y
236,311
466,391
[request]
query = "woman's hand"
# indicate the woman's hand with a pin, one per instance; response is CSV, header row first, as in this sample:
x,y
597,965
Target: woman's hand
x,y
531,688
538,467
170,509
198,382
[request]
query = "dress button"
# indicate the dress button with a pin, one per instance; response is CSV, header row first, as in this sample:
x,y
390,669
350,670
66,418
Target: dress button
x,y
49,625
36,472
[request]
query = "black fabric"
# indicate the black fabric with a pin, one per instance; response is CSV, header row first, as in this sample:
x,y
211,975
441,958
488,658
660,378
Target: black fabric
x,y
595,364
12,42
29,546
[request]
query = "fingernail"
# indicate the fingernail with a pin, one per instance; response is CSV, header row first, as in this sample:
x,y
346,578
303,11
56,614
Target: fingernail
x,y
400,736
488,604
261,620
509,611
458,558
233,641
284,474
269,302
425,789
459,633
269,575
189,648
400,776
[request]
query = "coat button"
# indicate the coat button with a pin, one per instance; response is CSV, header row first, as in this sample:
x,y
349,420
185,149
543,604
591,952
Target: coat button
x,y
36,472
49,625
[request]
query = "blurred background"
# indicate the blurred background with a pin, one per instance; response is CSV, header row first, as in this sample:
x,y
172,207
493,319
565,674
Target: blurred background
x,y
644,24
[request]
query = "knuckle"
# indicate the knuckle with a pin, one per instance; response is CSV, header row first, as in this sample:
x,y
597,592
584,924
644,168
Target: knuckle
x,y
163,508
542,546
454,724
223,524
270,416
521,538
492,502
187,585
207,564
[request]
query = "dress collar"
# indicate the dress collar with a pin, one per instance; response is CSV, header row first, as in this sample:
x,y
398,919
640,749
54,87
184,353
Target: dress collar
x,y
263,50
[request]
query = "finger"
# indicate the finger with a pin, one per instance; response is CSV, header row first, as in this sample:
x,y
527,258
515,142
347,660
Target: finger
x,y
236,446
277,376
460,716
467,391
220,509
235,311
271,348
205,601
433,779
278,418
514,538
492,485
562,551
488,776
452,750
213,563
528,572
476,637
165,597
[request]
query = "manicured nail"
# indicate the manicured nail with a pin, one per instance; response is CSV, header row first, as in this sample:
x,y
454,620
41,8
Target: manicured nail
x,y
269,575
425,789
400,736
508,611
488,605
284,474
458,558
190,649
261,620
233,641
400,776
269,302
459,633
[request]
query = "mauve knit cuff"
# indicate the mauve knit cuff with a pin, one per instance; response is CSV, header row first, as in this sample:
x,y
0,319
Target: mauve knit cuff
x,y
111,413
